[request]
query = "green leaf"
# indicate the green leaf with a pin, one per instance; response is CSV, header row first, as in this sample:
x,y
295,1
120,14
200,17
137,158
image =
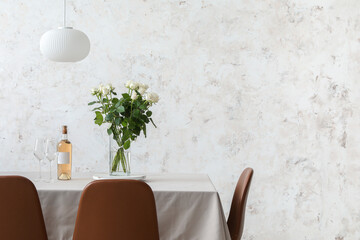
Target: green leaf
x,y
136,103
109,131
132,124
109,117
117,121
126,134
143,107
144,118
138,121
99,118
137,131
115,137
117,104
127,144
125,95
120,109
124,123
152,122
148,113
92,103
144,129
136,113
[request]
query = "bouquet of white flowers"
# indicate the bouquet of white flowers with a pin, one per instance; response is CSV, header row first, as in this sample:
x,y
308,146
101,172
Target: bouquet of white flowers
x,y
127,115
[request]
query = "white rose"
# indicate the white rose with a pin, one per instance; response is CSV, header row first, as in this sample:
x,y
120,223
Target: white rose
x,y
109,87
142,90
105,90
145,86
128,83
134,86
155,98
100,88
134,96
152,97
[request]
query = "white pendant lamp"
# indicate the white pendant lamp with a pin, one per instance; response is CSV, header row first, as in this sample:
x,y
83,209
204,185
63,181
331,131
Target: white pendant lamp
x,y
65,44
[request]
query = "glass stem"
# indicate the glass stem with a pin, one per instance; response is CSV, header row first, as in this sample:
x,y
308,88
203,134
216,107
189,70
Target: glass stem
x,y
40,170
50,172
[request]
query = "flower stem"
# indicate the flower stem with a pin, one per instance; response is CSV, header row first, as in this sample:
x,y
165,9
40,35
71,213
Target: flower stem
x,y
120,157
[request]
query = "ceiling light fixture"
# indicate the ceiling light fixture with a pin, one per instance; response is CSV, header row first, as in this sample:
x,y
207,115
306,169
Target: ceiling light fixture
x,y
65,44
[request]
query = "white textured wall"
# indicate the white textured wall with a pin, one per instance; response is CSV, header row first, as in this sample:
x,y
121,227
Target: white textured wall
x,y
269,84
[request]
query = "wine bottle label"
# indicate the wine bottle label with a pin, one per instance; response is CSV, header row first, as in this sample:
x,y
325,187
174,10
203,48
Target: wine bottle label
x,y
64,158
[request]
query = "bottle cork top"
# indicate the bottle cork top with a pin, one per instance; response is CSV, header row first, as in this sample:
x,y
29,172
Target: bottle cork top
x,y
64,129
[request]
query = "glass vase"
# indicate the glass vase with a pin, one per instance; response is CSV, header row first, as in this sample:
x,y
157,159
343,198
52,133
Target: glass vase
x,y
119,159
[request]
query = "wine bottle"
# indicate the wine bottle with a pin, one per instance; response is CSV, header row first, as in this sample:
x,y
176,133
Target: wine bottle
x,y
64,148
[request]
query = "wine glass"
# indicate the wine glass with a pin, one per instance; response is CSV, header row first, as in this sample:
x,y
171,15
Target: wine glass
x,y
39,153
50,153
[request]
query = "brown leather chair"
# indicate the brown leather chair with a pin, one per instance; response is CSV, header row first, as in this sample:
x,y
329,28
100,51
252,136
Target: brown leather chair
x,y
238,206
117,209
20,211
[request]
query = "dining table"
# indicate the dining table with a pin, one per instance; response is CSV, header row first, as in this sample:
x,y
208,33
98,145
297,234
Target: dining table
x,y
188,205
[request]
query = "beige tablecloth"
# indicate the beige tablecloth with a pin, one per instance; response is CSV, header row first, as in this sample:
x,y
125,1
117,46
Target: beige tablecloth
x,y
188,206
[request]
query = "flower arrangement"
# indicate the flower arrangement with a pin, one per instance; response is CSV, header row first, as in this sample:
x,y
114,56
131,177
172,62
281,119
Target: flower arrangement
x,y
127,116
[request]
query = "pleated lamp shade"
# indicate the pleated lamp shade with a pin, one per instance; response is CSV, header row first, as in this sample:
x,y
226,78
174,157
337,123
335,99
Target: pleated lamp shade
x,y
65,44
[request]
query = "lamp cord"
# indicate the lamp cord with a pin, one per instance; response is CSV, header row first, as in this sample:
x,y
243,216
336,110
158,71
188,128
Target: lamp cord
x,y
64,13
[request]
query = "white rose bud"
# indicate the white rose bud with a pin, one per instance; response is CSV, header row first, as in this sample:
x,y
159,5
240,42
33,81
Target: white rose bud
x,y
134,96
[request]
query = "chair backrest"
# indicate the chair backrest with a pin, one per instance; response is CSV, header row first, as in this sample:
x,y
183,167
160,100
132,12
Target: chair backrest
x,y
117,209
20,211
237,211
